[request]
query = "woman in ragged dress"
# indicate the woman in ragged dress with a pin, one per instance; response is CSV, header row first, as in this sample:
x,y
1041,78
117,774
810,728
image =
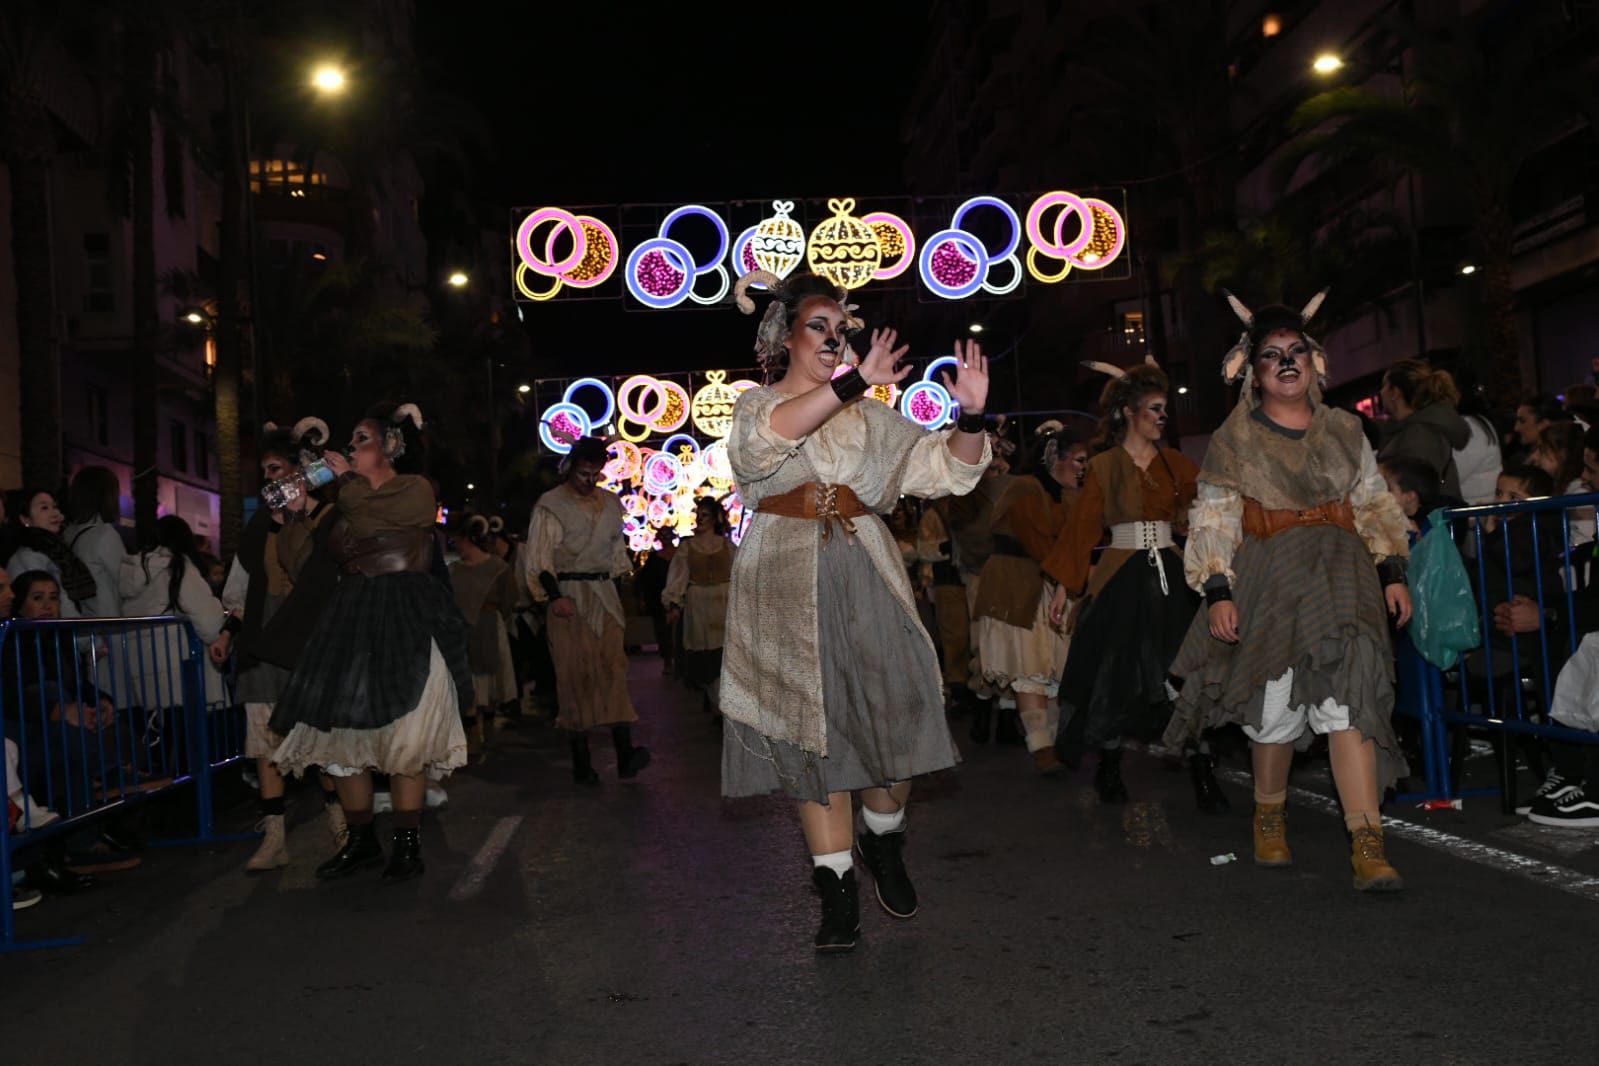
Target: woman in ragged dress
x,y
830,683
1300,551
1134,608
485,591
1022,649
696,592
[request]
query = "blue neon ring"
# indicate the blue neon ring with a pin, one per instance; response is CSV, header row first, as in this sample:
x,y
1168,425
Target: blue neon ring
x,y
1002,206
931,374
916,389
550,440
924,263
664,486
672,250
721,229
605,390
739,245
666,445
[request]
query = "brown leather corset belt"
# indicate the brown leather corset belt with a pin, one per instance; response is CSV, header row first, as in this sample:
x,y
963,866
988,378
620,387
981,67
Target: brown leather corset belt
x,y
1263,524
821,502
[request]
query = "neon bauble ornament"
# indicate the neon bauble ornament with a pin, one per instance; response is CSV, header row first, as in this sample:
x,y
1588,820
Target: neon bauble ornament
x,y
712,410
843,249
779,242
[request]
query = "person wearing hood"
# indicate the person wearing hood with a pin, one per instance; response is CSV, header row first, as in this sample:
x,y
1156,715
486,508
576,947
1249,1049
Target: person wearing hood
x,y
1425,424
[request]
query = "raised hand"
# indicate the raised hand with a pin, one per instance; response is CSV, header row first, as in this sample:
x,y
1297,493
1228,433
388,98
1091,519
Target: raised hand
x,y
970,389
881,366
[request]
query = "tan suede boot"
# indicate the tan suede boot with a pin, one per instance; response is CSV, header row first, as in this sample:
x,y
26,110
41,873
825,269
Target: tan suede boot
x,y
1046,762
1370,861
274,849
338,828
1271,835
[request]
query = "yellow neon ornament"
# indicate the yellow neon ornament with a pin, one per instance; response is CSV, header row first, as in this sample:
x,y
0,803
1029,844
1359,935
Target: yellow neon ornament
x,y
712,409
779,241
843,249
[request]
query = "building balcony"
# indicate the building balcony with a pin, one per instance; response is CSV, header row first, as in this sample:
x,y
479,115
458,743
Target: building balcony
x,y
313,205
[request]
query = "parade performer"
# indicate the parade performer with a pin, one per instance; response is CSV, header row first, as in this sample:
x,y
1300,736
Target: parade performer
x,y
696,592
1135,608
1022,648
575,551
384,673
258,585
1298,547
485,591
830,683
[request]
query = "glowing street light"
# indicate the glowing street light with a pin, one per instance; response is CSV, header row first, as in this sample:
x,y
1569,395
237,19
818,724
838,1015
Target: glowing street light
x,y
1327,63
328,79
976,327
470,487
1182,390
194,318
458,280
524,389
1468,269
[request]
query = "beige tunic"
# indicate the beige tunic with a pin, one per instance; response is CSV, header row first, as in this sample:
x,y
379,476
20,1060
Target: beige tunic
x,y
771,667
576,534
697,582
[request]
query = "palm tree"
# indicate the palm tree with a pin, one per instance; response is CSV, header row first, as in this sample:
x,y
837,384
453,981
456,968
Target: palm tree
x,y
1477,104
28,147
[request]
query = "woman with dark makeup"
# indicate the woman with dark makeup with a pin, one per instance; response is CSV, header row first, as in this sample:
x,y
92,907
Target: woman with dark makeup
x,y
1300,551
1134,607
384,674
830,683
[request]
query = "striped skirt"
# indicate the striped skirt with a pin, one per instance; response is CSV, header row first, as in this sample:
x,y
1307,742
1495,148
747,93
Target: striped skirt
x,y
1308,599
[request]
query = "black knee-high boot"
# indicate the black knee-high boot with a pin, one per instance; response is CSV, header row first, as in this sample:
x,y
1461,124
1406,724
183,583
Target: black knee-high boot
x,y
582,766
629,759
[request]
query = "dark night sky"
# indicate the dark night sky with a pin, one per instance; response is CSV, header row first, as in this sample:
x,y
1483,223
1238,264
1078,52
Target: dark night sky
x,y
600,103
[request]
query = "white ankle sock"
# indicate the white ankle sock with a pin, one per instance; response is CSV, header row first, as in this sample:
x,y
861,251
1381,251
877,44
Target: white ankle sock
x,y
883,823
837,861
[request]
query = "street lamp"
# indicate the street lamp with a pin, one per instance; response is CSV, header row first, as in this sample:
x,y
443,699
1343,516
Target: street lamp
x,y
1469,269
458,280
524,389
328,79
976,327
194,318
1327,63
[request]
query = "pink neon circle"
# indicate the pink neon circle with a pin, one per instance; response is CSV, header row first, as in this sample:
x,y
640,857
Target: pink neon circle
x,y
1116,248
906,259
524,241
1074,204
624,403
682,394
610,264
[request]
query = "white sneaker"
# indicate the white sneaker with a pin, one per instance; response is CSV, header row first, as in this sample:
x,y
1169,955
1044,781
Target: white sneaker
x,y
381,802
436,797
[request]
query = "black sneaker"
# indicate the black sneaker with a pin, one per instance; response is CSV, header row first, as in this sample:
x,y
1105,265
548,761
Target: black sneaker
x,y
1552,783
1573,810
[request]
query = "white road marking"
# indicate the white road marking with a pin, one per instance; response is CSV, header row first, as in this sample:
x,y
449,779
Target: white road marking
x,y
470,883
1543,873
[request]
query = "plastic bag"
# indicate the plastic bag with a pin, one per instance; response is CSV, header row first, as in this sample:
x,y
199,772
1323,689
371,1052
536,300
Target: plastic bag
x,y
1445,622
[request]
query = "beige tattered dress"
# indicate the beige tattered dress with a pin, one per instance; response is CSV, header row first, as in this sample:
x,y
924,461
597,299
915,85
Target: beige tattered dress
x,y
582,535
830,683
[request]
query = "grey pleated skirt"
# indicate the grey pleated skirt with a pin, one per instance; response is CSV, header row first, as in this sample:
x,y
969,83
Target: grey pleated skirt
x,y
882,695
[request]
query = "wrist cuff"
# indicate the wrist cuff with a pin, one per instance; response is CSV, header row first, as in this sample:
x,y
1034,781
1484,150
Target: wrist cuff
x,y
551,587
1218,594
849,385
232,625
1391,571
971,422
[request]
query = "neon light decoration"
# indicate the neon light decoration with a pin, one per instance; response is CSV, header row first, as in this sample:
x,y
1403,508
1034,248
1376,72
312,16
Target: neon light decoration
x,y
955,263
712,410
1101,235
844,249
604,390
778,242
591,260
624,462
662,473
895,240
561,425
933,368
662,272
676,413
927,403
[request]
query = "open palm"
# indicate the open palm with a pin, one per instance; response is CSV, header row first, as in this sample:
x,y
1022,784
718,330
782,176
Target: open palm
x,y
970,387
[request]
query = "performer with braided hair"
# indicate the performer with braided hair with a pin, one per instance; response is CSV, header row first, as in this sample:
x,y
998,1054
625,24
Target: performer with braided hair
x,y
1134,607
830,683
1299,548
384,675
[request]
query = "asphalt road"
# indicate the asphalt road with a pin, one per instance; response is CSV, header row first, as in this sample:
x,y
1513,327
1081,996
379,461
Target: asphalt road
x,y
651,922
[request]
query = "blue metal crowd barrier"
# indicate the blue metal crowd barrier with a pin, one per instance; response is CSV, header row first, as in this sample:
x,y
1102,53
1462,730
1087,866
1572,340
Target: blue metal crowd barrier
x,y
104,714
1505,685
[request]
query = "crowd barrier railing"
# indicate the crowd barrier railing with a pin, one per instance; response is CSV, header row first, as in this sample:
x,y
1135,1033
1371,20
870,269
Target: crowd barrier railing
x,y
101,715
1542,550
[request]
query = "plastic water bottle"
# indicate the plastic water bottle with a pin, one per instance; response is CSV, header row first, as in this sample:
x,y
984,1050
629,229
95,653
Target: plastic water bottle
x,y
310,477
